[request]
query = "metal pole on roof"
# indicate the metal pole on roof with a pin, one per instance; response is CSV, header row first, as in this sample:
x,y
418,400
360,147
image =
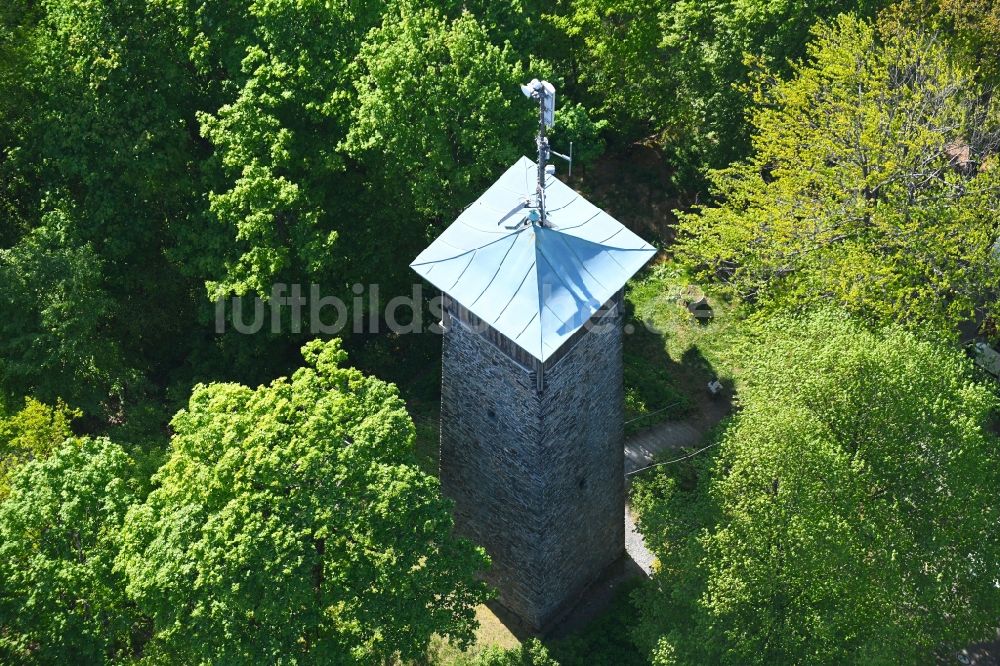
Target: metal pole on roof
x,y
545,93
543,149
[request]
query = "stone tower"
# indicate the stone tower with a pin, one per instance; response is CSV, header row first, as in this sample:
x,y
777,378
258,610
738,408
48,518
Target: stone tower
x,y
531,394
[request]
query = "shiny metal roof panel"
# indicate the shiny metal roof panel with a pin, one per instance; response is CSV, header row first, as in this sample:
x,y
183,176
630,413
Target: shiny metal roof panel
x,y
535,285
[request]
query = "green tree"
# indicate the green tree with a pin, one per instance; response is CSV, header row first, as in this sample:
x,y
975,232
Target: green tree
x,y
439,110
53,337
18,20
291,523
288,195
849,514
874,184
574,124
99,130
32,433
618,65
675,72
971,27
976,24
61,600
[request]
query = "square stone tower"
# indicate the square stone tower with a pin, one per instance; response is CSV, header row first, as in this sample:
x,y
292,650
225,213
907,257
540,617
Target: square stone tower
x,y
531,394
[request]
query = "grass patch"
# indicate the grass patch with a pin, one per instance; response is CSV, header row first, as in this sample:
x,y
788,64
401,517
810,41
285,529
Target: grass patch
x,y
670,354
491,633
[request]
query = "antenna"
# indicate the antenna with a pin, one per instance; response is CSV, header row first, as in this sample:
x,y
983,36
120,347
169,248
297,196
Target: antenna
x,y
545,93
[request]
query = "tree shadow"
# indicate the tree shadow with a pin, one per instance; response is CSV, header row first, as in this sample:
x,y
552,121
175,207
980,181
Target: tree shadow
x,y
658,387
589,607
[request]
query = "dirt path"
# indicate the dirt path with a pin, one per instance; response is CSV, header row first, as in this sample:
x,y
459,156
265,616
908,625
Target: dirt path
x,y
641,448
636,547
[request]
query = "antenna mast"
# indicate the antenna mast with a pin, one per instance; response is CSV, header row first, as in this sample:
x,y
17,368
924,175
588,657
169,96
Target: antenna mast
x,y
545,93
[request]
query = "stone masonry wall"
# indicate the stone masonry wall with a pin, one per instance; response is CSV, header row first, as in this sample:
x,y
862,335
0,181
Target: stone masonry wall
x,y
583,446
537,478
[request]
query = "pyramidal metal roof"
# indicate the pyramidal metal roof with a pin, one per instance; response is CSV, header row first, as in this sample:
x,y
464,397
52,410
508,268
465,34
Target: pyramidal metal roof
x,y
536,285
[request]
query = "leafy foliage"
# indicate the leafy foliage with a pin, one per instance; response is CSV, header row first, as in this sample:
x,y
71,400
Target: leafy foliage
x,y
575,126
32,433
52,335
437,109
874,184
276,141
289,522
976,24
155,150
675,72
529,653
848,516
98,176
61,599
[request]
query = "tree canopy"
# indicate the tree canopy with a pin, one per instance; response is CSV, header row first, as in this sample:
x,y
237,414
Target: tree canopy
x,y
52,335
32,433
156,155
290,523
874,184
437,107
674,73
848,516
976,24
61,599
282,207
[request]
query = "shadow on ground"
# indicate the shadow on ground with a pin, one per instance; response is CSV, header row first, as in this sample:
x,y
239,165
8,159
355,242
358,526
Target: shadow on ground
x,y
657,387
982,654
